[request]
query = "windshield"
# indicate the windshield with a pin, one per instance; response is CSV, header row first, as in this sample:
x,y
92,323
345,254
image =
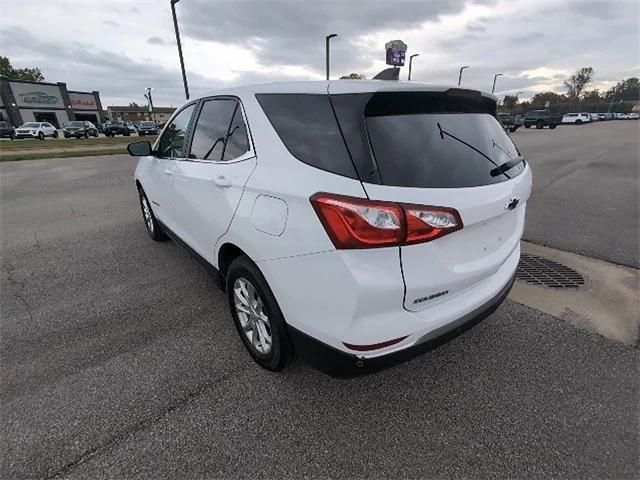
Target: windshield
x,y
147,124
30,125
76,124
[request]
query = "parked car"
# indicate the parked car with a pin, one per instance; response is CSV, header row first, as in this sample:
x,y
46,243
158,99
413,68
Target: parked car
x,y
111,129
351,262
7,130
147,128
132,128
541,119
509,122
594,117
80,129
629,116
576,118
38,130
602,117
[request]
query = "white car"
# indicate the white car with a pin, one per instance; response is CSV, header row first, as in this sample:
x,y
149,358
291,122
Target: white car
x,y
577,118
355,224
38,130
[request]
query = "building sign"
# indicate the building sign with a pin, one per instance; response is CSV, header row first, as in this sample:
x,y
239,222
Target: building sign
x,y
41,95
395,52
39,98
82,101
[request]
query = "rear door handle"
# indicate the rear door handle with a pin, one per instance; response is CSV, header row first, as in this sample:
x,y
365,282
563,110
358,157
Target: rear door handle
x,y
222,181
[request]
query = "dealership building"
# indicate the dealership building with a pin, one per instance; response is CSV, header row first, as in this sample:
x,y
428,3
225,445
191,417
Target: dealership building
x,y
23,101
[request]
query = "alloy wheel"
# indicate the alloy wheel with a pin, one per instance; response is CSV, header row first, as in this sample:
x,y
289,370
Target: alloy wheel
x,y
252,316
146,212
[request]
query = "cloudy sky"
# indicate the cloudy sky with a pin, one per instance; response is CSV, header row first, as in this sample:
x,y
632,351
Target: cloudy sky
x,y
121,47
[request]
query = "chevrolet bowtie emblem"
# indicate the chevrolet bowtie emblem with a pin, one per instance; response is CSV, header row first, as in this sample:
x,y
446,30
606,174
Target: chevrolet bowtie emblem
x,y
513,203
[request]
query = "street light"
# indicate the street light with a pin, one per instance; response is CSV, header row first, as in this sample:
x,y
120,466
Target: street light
x,y
175,25
327,38
460,75
493,89
410,62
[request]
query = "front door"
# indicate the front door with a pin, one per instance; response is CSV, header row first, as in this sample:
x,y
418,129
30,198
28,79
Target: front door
x,y
159,177
208,185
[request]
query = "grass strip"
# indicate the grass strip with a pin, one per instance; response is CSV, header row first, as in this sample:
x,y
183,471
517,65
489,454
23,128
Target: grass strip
x,y
71,142
13,157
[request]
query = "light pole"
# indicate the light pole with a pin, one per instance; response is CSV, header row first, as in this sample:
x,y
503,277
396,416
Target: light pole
x,y
327,38
460,75
493,89
175,25
150,102
410,62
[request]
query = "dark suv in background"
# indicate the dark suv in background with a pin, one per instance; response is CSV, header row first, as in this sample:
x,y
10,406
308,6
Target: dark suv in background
x,y
541,119
80,129
7,130
112,129
147,128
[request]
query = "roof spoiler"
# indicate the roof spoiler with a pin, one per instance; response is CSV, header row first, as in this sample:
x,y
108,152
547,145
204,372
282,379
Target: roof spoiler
x,y
388,74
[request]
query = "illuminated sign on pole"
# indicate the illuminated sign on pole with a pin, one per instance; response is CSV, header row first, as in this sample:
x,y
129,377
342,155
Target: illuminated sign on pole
x,y
395,52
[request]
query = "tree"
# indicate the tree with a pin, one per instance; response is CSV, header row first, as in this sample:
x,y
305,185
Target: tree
x,y
353,76
133,104
509,102
575,83
30,74
539,100
628,89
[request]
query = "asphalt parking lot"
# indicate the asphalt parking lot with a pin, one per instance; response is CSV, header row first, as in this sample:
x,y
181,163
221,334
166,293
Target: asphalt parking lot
x,y
120,359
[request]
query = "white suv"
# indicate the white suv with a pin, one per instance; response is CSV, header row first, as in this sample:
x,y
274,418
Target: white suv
x,y
576,118
353,223
38,130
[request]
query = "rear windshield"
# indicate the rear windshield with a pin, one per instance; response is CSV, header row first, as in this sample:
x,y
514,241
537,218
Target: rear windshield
x,y
31,125
410,139
76,124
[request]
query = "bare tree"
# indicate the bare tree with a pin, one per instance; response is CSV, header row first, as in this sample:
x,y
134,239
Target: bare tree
x,y
578,81
353,76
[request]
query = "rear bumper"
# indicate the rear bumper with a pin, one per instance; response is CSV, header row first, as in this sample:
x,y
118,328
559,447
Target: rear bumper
x,y
338,363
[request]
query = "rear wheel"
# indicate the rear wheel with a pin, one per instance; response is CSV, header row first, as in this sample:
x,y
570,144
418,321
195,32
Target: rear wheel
x,y
55,134
153,227
539,125
257,315
552,126
527,126
40,136
578,122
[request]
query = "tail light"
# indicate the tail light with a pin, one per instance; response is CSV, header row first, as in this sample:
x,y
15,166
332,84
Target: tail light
x,y
361,223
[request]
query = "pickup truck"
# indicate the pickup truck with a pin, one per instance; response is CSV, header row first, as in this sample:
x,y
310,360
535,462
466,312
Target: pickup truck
x,y
541,119
509,122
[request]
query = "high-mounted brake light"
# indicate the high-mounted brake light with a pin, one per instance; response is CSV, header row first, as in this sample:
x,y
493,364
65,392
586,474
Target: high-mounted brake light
x,y
361,223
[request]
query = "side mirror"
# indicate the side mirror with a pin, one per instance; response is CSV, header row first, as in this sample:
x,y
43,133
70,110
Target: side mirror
x,y
139,149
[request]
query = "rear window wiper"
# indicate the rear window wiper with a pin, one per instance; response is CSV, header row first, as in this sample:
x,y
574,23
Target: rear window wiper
x,y
506,166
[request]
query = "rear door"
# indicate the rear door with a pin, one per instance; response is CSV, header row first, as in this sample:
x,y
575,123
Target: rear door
x,y
444,150
209,183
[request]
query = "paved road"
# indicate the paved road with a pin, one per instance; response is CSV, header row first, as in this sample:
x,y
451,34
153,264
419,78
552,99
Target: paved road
x,y
586,189
121,361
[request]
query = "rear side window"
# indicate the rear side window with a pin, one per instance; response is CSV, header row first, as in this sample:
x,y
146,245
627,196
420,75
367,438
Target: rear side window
x,y
308,128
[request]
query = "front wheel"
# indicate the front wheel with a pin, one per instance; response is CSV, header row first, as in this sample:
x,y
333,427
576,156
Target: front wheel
x,y
552,126
153,227
257,315
539,125
578,122
527,126
55,134
40,136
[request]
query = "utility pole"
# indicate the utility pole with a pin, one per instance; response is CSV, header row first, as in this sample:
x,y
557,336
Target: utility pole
x,y
327,38
410,62
493,89
460,75
175,25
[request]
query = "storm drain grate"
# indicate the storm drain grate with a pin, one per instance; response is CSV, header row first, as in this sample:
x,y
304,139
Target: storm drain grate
x,y
540,271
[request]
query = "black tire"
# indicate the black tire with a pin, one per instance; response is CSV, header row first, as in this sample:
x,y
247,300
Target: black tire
x,y
539,125
281,351
552,126
55,134
578,122
12,137
40,136
527,126
513,129
153,227
86,134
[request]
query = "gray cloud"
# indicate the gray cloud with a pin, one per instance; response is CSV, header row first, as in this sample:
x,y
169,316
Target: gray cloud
x,y
155,41
110,23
